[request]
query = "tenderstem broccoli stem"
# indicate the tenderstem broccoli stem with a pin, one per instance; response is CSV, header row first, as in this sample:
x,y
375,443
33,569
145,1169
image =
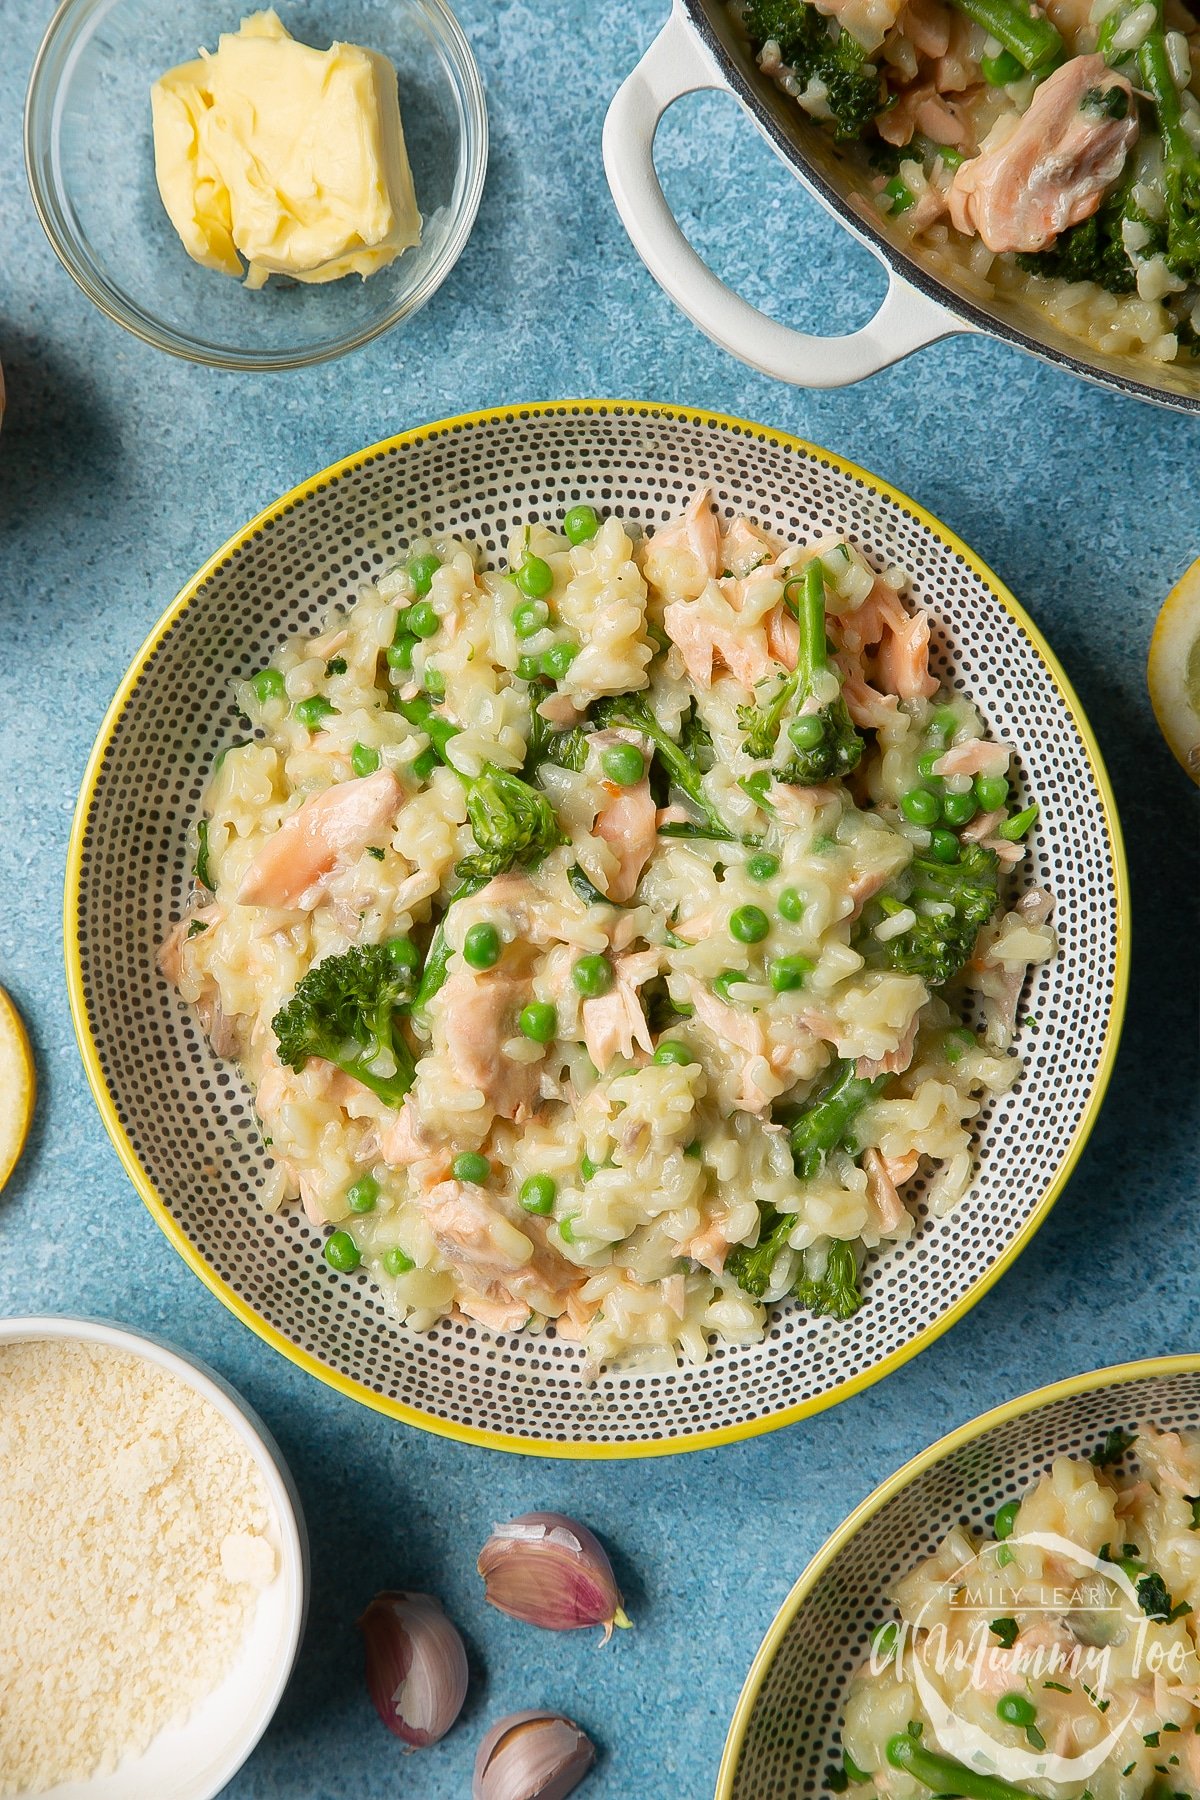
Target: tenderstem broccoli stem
x,y
946,1776
811,619
1158,78
1033,41
437,960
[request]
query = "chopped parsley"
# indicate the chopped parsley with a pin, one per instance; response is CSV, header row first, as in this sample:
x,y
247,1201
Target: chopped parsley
x,y
1112,1449
1007,1630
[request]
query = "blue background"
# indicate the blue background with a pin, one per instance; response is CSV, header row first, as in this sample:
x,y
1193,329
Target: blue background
x,y
121,470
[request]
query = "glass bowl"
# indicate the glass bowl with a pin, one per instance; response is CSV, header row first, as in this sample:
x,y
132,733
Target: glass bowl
x,y
90,158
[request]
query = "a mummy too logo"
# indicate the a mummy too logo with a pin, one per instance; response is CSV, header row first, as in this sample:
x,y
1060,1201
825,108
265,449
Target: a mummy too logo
x,y
976,1671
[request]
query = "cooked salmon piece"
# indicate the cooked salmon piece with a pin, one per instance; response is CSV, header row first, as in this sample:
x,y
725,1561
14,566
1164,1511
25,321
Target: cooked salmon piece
x,y
628,819
614,1023
684,556
325,830
975,756
1056,164
704,641
475,1012
887,1208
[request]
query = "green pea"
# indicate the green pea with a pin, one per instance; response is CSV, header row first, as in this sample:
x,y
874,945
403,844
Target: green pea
x,y
807,731
528,668
557,660
919,806
470,1166
435,684
421,571
566,1229
364,760
267,685
959,809
534,577
1006,1518
342,1253
538,1022
925,764
791,906
885,1639
362,1194
748,925
671,1052
422,620
1015,1709
424,765
762,866
592,976
587,1168
991,791
529,617
397,1262
481,946
727,979
695,1150
943,846
1004,1556
579,524
310,713
900,195
400,653
789,972
538,1194
404,954
624,764
1001,70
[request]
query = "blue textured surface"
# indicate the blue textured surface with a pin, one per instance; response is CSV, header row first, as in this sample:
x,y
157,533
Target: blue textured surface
x,y
121,470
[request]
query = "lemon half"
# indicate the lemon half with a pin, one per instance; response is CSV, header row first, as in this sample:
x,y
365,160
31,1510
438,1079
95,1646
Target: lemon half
x,y
1173,670
17,1086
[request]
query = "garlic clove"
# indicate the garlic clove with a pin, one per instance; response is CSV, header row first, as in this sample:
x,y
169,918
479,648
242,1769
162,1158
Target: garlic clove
x,y
548,1570
416,1666
532,1756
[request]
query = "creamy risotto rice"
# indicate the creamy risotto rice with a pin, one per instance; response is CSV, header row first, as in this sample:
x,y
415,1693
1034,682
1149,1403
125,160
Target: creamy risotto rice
x,y
597,932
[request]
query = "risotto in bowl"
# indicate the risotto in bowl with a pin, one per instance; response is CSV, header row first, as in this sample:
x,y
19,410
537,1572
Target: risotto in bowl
x,y
1011,1614
614,937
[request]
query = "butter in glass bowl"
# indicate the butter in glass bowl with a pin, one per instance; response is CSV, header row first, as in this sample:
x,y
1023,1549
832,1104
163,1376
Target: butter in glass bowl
x,y
276,158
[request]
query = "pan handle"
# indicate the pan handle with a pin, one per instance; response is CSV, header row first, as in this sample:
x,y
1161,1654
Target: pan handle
x,y
676,64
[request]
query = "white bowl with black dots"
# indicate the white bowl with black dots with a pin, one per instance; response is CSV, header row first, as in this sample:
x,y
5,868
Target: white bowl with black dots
x,y
183,1121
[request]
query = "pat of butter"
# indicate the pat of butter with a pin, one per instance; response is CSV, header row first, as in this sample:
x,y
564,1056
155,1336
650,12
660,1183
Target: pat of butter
x,y
290,158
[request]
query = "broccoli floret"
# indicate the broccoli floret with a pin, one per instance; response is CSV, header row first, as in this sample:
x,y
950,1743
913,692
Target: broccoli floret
x,y
821,745
513,822
751,1264
348,1010
941,941
680,767
819,50
1093,250
835,1292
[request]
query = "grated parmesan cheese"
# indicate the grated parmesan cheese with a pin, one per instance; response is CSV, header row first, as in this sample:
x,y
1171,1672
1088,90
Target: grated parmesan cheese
x,y
133,1548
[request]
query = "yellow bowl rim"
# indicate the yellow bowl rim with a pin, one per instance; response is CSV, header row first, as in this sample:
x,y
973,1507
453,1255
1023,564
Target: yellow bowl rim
x,y
1034,1401
343,1384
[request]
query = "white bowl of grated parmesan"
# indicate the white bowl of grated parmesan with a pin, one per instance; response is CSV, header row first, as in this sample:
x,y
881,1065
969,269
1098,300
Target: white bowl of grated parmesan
x,y
153,1568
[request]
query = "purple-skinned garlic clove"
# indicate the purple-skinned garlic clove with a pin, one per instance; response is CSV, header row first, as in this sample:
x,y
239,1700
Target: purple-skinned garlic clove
x,y
532,1756
548,1570
416,1666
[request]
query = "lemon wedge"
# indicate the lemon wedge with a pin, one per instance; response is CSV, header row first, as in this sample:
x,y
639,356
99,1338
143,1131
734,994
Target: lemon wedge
x,y
17,1086
1173,670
